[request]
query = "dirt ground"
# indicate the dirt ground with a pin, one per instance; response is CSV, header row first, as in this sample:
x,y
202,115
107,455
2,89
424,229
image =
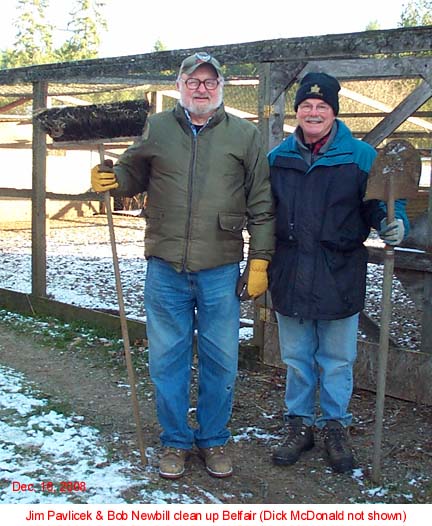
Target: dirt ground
x,y
90,387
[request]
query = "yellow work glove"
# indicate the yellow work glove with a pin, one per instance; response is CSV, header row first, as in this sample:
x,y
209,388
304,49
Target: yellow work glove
x,y
253,282
103,178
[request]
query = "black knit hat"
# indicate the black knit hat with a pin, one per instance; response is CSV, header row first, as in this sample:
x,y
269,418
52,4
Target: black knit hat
x,y
318,86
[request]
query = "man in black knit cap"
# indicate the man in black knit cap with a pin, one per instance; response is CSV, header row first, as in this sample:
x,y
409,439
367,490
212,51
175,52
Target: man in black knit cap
x,y
318,273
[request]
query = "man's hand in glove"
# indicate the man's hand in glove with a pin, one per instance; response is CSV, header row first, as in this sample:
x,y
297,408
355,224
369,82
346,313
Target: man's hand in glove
x,y
103,177
392,233
253,282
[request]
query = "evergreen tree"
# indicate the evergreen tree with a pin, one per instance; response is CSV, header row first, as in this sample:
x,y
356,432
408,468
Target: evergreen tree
x,y
373,26
416,13
34,37
159,46
33,41
86,22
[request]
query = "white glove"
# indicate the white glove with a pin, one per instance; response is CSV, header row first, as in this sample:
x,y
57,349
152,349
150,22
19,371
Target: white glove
x,y
392,233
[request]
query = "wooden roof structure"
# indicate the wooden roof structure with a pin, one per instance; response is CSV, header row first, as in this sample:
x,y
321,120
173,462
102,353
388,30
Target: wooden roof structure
x,y
371,55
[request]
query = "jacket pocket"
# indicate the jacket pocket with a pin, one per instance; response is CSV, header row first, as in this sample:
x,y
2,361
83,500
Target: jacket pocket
x,y
230,222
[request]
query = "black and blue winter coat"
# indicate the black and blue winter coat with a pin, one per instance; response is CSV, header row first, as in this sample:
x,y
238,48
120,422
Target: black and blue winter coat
x,y
322,220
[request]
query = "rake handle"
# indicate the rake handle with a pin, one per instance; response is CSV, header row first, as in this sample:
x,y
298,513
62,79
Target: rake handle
x,y
123,322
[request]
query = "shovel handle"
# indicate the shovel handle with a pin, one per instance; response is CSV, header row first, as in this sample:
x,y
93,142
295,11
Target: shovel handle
x,y
390,200
386,312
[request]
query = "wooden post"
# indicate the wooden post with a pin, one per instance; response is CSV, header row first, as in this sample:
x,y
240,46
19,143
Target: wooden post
x,y
271,114
274,80
426,343
264,102
40,91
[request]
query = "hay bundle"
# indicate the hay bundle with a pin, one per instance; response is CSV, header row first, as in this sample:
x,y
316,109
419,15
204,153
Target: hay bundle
x,y
95,121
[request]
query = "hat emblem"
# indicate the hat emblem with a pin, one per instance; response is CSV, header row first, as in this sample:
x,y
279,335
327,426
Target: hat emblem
x,y
202,57
316,90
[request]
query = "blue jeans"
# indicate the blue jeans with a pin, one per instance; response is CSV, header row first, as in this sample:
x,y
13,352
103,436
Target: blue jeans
x,y
318,354
176,304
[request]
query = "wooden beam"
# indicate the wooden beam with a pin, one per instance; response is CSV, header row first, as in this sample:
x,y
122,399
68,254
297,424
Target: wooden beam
x,y
409,372
14,104
373,68
40,90
31,305
282,77
24,193
367,101
427,292
417,98
409,259
341,46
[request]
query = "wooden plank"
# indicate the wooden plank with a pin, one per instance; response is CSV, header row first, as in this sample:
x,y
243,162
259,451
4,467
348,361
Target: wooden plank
x,y
23,193
346,46
417,98
427,300
373,68
380,114
40,91
409,373
117,143
347,69
372,329
426,342
282,77
367,101
264,103
14,104
31,305
405,258
413,135
271,350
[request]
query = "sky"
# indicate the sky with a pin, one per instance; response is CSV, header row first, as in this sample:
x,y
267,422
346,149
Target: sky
x,y
135,25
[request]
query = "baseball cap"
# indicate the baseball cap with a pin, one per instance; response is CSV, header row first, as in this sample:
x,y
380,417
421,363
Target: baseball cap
x,y
191,63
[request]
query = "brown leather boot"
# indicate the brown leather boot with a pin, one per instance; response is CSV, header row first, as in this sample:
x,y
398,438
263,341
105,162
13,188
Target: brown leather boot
x,y
218,463
172,462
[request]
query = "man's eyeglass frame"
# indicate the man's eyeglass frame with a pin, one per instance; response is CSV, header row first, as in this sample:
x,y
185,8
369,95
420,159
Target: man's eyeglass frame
x,y
194,84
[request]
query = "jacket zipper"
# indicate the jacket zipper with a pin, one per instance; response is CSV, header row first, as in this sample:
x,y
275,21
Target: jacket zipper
x,y
190,191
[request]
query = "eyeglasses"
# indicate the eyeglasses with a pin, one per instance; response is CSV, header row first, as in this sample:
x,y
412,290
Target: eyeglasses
x,y
209,84
320,108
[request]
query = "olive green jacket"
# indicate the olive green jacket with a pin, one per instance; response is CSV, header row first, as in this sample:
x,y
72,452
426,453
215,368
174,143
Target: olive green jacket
x,y
202,189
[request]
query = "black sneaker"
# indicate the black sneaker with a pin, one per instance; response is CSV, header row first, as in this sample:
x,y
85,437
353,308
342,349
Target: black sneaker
x,y
336,444
299,438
